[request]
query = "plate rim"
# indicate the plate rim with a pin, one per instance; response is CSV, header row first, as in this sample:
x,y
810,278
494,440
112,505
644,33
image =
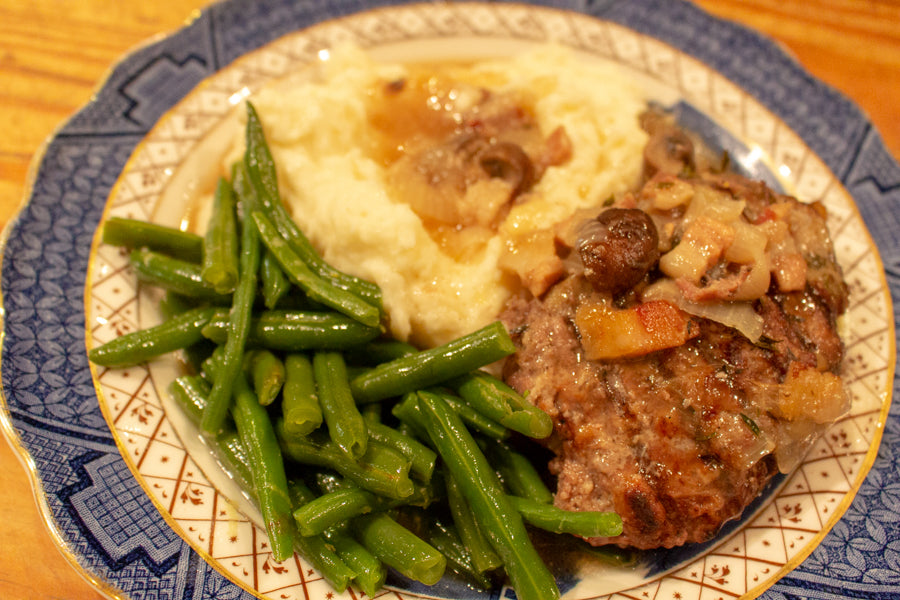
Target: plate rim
x,y
6,422
337,22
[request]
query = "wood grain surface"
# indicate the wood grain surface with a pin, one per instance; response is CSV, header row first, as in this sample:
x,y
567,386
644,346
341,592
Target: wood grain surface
x,y
53,54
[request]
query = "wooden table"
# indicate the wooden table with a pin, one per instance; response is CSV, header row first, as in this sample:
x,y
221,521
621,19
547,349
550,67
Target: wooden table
x,y
54,53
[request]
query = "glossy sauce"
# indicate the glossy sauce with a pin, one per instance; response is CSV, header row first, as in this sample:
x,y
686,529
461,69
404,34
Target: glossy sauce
x,y
459,154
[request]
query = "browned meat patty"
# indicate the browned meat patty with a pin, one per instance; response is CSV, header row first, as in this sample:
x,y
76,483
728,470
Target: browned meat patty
x,y
680,440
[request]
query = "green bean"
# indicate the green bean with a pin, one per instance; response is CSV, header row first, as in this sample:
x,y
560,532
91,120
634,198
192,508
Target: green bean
x,y
220,242
518,473
614,556
346,426
434,366
370,412
213,363
173,303
483,491
195,354
318,289
173,274
238,328
273,281
381,470
423,495
260,166
317,550
301,246
342,499
132,233
407,412
353,371
379,351
191,393
370,572
334,508
300,492
329,481
587,524
409,432
243,188
296,331
266,467
499,402
473,419
267,373
261,172
484,558
140,346
375,460
399,548
299,402
446,540
254,459
384,459
230,451
421,458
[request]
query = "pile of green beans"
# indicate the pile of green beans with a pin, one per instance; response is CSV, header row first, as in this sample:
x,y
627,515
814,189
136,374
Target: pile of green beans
x,y
362,453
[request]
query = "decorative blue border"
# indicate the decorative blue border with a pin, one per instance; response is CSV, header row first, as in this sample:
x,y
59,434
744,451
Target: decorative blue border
x,y
98,506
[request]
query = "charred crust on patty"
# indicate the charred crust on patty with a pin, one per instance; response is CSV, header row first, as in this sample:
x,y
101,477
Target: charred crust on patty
x,y
682,429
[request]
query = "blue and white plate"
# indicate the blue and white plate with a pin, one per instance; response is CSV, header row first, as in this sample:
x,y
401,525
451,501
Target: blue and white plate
x,y
137,503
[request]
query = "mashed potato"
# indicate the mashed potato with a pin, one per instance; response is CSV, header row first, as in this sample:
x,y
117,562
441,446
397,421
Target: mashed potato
x,y
321,138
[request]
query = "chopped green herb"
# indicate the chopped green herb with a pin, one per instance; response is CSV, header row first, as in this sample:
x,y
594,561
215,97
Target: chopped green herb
x,y
751,424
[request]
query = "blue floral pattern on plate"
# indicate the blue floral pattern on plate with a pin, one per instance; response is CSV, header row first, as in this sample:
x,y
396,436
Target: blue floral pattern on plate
x,y
108,522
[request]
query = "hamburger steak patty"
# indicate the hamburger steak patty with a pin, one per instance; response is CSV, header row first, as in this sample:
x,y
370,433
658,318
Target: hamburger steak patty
x,y
681,439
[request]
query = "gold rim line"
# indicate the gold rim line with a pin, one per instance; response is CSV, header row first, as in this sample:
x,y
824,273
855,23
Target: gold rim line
x,y
9,432
809,547
62,545
167,517
791,564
